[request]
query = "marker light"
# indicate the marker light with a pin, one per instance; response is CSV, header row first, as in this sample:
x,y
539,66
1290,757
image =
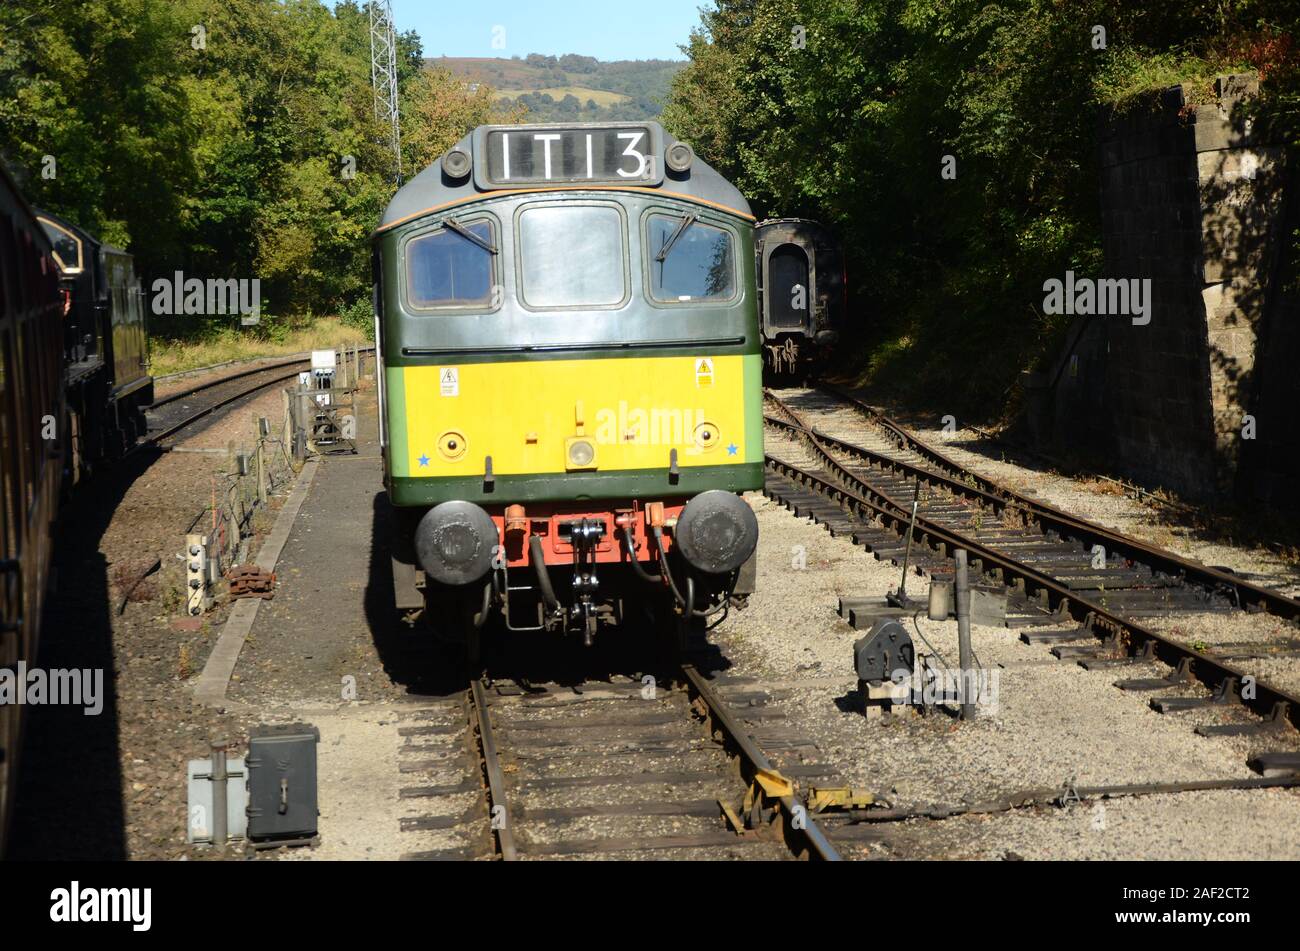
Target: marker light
x,y
679,156
456,163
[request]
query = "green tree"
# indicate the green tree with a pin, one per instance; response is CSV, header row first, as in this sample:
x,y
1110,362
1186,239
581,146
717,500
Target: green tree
x,y
441,109
95,85
844,110
225,138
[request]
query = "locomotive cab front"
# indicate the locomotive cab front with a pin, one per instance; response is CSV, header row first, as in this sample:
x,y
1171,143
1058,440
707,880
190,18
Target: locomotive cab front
x,y
571,398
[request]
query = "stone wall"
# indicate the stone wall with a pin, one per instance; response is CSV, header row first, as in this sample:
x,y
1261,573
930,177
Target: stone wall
x,y
1270,463
1191,201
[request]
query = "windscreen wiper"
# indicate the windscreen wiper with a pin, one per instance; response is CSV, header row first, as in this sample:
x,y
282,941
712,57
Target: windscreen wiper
x,y
672,239
464,232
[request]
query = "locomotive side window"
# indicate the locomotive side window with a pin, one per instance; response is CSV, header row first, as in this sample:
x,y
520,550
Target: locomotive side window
x,y
572,255
690,260
67,247
452,266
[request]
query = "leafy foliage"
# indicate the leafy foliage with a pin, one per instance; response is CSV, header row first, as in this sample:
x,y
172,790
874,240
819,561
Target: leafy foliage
x,y
852,128
441,110
226,157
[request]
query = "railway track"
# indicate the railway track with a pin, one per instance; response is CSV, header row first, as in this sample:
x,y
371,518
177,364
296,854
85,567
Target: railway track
x,y
1091,583
896,441
655,769
177,411
183,409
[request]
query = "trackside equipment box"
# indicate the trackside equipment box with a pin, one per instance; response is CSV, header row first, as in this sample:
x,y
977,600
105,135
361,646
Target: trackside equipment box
x,y
281,766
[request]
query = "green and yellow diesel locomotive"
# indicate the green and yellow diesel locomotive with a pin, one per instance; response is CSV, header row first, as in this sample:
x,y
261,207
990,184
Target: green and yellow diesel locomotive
x,y
571,389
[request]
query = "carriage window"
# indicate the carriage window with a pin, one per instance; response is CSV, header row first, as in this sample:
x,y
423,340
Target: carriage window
x,y
28,428
572,256
699,263
9,475
787,286
448,268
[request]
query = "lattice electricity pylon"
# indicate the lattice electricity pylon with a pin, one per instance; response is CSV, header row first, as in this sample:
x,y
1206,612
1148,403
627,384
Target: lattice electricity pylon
x,y
383,74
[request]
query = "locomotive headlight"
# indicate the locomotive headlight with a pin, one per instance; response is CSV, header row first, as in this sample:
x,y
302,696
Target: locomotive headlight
x,y
679,156
456,163
580,453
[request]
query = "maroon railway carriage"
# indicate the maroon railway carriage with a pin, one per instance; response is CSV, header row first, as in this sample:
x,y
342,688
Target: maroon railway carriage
x,y
31,465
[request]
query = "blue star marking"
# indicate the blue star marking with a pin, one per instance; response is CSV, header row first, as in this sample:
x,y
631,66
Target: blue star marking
x,y
731,450
423,460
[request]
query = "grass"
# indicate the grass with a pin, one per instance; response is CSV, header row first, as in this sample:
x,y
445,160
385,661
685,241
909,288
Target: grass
x,y
234,343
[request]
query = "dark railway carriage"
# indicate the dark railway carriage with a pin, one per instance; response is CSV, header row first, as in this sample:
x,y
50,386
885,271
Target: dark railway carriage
x,y
802,293
74,382
571,395
31,395
105,345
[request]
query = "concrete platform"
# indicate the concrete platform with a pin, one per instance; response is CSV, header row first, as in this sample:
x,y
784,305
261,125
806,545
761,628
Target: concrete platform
x,y
332,617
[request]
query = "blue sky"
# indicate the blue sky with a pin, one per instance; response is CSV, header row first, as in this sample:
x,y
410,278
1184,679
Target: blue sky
x,y
606,29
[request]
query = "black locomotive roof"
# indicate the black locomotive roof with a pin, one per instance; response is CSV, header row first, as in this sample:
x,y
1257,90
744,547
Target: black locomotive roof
x,y
793,224
10,187
12,198
799,230
92,243
432,189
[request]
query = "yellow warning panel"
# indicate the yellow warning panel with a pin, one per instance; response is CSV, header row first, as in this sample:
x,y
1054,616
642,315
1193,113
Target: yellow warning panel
x,y
523,414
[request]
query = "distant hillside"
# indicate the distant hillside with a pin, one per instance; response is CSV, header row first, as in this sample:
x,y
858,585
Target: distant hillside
x,y
572,86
